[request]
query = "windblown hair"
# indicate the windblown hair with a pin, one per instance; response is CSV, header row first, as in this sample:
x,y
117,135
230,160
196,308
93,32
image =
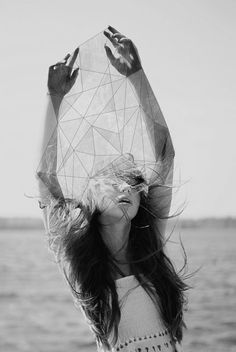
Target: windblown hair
x,y
88,265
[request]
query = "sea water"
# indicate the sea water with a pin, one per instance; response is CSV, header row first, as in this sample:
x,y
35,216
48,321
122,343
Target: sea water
x,y
37,312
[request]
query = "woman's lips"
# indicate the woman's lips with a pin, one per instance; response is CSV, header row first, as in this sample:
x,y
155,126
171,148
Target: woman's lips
x,y
123,200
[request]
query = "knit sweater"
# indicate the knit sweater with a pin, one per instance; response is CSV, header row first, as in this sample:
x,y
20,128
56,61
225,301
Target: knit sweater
x,y
140,328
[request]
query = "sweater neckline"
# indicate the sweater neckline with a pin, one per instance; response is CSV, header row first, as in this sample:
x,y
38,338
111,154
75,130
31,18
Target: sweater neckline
x,y
124,278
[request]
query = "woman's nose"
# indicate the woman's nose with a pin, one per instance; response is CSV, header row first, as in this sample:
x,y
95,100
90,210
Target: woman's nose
x,y
126,188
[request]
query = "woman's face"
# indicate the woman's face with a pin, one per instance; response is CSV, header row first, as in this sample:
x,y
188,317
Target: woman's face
x,y
117,202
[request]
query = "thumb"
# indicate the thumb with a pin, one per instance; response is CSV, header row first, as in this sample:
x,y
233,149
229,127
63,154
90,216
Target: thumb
x,y
110,56
74,75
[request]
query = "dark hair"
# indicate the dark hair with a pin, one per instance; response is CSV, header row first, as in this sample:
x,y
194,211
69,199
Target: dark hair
x,y
88,266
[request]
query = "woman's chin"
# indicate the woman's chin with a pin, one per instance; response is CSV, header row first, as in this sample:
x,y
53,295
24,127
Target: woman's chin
x,y
121,213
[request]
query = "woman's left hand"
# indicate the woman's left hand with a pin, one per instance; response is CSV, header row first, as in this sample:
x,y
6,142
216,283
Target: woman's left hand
x,y
128,61
60,76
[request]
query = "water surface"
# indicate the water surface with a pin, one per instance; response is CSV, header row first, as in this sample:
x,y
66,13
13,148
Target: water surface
x,y
37,312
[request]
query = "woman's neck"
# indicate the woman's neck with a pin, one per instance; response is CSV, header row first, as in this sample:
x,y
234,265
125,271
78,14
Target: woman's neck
x,y
116,236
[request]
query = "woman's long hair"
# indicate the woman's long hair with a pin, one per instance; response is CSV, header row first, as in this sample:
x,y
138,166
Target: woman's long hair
x,y
88,266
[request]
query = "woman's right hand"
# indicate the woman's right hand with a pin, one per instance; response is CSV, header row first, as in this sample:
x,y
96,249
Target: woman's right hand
x,y
60,76
128,60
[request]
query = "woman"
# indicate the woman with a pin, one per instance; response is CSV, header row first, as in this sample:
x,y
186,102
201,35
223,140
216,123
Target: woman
x,y
110,244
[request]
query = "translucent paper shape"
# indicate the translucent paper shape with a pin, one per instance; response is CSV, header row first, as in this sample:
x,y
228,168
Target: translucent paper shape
x,y
107,119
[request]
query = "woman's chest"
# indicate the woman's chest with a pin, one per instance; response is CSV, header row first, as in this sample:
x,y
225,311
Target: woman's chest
x,y
140,328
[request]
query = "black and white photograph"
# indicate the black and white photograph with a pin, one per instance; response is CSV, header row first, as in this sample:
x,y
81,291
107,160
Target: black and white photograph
x,y
118,217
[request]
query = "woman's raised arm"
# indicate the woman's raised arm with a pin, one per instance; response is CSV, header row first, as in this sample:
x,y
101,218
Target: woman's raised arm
x,y
60,81
129,64
160,190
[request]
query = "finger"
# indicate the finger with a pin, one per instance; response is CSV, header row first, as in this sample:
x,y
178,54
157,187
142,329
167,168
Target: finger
x,y
136,54
118,36
66,58
57,64
110,56
74,75
63,62
110,37
54,67
73,59
125,40
113,30
72,80
132,48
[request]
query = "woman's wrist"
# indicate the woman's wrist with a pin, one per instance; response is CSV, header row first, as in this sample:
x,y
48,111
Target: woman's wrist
x,y
56,100
56,94
135,78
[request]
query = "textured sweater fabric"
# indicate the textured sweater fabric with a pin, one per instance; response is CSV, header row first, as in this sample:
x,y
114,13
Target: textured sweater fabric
x,y
140,328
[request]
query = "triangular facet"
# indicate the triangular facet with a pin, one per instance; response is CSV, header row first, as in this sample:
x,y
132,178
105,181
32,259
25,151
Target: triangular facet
x,y
93,79
128,132
87,161
108,78
102,146
110,106
86,144
107,121
64,150
69,115
101,97
123,116
119,96
148,140
84,101
111,137
67,105
73,167
62,179
69,129
137,146
131,99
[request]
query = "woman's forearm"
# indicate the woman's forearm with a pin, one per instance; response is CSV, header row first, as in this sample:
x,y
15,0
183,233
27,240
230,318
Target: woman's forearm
x,y
49,143
159,197
153,117
46,172
61,79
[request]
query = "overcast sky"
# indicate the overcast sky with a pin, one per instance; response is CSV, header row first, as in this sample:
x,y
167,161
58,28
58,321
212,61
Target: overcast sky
x,y
188,52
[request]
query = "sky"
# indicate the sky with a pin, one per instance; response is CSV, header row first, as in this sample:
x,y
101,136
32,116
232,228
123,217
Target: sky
x,y
188,52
